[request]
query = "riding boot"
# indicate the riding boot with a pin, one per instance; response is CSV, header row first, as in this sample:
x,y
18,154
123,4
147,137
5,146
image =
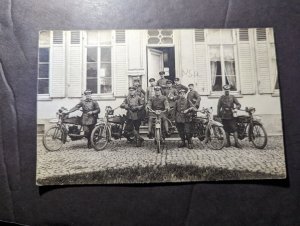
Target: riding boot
x,y
182,143
236,141
89,144
228,144
190,143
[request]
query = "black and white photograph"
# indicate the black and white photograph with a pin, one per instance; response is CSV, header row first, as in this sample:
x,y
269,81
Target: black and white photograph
x,y
158,105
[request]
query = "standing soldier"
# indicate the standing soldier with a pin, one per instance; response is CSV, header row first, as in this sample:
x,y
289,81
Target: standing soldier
x,y
193,97
183,119
225,107
162,82
139,90
178,86
158,102
90,113
150,90
172,96
133,104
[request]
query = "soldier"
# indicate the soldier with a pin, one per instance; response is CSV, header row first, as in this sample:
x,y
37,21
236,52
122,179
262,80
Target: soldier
x,y
178,86
172,96
225,106
150,90
139,90
90,113
162,82
183,119
193,97
133,104
158,102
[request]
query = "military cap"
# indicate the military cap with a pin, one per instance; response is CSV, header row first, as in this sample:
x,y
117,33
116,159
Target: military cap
x,y
182,91
191,84
161,72
176,79
169,82
226,87
87,92
132,88
136,80
157,88
151,80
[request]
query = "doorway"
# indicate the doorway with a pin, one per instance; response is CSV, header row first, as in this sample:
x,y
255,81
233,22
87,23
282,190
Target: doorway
x,y
161,59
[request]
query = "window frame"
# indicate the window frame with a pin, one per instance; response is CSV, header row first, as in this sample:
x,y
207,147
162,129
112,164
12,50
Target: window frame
x,y
99,45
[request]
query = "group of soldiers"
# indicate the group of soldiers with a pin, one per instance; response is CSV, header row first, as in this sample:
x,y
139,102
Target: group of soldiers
x,y
172,100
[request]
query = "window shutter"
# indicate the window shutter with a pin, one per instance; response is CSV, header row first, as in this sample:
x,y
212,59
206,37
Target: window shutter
x,y
57,68
202,82
245,63
262,62
121,65
74,71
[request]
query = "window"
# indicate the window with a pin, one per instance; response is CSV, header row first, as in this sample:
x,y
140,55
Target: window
x,y
98,62
223,68
160,36
43,62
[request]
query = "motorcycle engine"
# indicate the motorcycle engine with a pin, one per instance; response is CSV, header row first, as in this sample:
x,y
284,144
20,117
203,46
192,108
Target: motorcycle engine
x,y
241,130
74,130
116,131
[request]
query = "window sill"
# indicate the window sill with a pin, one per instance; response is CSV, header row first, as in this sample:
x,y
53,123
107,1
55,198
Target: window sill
x,y
44,97
276,93
215,96
103,97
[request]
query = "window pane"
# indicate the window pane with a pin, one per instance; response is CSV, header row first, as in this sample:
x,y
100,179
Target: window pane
x,y
91,70
91,83
153,32
43,70
105,85
153,40
92,37
166,40
44,38
166,32
105,54
43,54
92,54
105,70
43,86
105,37
231,80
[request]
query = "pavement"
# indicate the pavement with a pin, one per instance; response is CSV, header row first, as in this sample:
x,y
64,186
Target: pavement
x,y
75,158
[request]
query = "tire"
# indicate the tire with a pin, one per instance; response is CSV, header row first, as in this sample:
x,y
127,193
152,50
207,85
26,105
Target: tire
x,y
259,136
53,138
100,137
216,137
157,138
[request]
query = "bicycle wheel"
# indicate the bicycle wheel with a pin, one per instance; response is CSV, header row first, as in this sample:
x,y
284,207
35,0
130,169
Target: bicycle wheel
x,y
157,138
53,138
258,136
216,137
100,137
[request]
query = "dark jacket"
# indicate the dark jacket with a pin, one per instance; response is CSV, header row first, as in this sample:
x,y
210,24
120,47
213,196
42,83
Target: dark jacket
x,y
88,106
171,94
179,87
133,104
194,98
226,105
181,105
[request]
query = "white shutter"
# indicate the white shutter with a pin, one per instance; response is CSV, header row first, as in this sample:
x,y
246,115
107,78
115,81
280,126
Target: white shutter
x,y
245,63
57,68
74,71
202,82
262,62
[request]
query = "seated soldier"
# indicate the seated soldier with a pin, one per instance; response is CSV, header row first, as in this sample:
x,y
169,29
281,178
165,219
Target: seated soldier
x,y
133,104
158,102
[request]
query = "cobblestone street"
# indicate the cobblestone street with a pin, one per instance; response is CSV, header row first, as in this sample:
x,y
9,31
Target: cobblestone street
x,y
74,158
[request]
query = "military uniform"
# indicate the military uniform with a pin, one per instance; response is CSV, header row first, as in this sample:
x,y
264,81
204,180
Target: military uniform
x,y
88,120
180,87
194,98
162,83
172,96
134,104
225,106
158,103
150,92
184,120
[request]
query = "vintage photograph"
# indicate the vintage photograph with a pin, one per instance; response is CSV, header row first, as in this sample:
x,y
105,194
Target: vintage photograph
x,y
158,105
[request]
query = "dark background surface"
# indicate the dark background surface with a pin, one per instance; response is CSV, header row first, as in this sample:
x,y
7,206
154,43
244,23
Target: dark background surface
x,y
223,203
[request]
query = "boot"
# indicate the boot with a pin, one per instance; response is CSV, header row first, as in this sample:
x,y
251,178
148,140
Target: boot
x,y
89,144
190,143
182,143
236,140
228,144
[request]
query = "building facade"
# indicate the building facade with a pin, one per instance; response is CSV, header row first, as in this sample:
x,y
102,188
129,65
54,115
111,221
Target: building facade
x,y
107,61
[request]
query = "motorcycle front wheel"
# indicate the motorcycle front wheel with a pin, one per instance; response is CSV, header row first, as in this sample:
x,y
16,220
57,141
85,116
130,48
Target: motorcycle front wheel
x,y
259,136
100,137
215,136
53,138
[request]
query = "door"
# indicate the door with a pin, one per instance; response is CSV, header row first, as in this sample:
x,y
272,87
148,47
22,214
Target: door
x,y
155,63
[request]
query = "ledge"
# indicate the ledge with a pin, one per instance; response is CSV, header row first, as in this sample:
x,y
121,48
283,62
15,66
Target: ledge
x,y
43,97
216,96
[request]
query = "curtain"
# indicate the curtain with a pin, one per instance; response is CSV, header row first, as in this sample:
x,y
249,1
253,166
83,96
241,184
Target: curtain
x,y
230,73
213,66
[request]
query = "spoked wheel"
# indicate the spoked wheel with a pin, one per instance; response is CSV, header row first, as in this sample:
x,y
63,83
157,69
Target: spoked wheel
x,y
157,139
259,136
215,136
99,137
53,138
